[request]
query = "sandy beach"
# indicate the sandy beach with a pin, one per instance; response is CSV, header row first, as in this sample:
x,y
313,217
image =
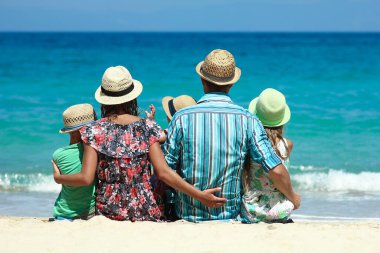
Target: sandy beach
x,y
103,235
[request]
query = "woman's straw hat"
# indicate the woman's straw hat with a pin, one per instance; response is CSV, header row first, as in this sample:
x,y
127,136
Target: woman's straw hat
x,y
219,68
77,116
117,87
271,108
172,105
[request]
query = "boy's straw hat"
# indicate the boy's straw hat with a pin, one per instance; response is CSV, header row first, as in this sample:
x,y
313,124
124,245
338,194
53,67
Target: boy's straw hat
x,y
172,105
77,116
117,87
271,108
219,68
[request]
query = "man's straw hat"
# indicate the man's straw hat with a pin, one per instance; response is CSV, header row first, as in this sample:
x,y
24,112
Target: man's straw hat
x,y
271,108
219,68
117,87
77,116
172,105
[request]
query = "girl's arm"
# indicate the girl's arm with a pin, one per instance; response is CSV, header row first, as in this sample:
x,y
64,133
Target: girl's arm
x,y
86,176
166,174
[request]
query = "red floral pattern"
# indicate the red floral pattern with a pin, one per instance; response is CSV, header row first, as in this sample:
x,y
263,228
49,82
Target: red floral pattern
x,y
124,190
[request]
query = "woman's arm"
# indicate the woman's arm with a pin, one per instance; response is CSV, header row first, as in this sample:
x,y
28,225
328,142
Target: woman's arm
x,y
166,174
86,176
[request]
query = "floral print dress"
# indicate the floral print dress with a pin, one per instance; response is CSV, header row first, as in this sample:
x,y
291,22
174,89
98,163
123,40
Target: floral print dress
x,y
261,200
124,191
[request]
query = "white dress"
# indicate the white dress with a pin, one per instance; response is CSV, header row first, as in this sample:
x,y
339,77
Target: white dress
x,y
261,200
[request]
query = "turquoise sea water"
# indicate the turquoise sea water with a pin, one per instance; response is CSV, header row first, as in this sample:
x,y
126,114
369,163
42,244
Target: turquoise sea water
x,y
331,82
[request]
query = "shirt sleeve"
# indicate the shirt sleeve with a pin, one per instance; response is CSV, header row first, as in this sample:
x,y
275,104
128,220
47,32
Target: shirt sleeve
x,y
259,146
173,144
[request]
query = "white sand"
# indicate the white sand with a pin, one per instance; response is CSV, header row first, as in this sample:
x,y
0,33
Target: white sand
x,y
103,235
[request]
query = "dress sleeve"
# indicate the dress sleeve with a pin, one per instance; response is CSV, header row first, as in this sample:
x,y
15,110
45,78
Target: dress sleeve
x,y
260,147
91,135
153,131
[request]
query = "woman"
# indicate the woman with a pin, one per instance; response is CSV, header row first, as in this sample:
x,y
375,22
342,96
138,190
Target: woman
x,y
124,145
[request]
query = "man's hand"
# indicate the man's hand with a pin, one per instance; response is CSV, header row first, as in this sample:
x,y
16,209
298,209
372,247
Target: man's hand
x,y
210,200
56,172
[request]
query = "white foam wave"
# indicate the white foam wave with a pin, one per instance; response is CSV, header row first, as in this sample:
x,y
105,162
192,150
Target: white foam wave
x,y
37,182
337,181
307,180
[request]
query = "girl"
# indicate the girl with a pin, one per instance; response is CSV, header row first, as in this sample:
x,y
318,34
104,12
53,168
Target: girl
x,y
261,200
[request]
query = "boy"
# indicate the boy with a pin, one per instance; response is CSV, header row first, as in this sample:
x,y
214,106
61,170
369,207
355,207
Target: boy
x,y
74,202
164,194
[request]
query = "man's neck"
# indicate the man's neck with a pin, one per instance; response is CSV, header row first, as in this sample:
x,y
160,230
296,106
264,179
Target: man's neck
x,y
217,93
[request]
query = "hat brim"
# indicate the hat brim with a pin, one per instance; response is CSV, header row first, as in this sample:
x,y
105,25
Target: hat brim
x,y
74,128
285,119
108,100
232,81
63,130
165,105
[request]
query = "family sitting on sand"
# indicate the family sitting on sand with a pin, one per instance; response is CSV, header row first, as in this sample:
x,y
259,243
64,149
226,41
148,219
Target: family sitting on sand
x,y
224,162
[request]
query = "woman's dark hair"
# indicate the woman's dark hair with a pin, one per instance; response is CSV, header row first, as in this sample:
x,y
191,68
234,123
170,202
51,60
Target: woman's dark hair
x,y
275,136
112,111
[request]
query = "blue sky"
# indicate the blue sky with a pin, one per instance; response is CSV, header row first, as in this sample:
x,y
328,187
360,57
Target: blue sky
x,y
195,15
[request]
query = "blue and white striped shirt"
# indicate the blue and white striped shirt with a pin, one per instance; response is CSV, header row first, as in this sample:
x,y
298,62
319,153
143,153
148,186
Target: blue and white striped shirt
x,y
208,144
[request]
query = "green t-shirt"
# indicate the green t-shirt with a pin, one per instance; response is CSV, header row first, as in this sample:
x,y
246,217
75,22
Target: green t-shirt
x,y
72,201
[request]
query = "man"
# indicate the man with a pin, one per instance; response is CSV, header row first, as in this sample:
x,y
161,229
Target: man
x,y
209,142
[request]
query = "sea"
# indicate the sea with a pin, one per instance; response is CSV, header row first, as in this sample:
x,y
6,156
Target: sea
x,y
331,82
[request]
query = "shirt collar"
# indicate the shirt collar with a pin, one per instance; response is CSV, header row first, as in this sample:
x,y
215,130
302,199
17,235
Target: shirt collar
x,y
215,96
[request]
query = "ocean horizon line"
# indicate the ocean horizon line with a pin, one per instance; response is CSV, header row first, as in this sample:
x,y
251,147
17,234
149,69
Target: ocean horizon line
x,y
186,32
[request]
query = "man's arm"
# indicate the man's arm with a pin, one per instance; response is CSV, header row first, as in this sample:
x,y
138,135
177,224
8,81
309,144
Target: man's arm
x,y
173,143
261,151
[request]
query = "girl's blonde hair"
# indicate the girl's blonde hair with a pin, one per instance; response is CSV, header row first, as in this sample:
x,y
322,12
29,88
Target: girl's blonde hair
x,y
275,135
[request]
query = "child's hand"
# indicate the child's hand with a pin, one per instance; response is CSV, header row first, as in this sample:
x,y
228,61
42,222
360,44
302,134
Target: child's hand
x,y
56,172
151,114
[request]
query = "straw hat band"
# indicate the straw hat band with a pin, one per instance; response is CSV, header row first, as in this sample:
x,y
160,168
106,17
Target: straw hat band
x,y
172,110
118,93
68,128
216,78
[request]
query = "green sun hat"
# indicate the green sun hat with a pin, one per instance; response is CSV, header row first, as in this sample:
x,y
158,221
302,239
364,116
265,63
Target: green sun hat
x,y
271,108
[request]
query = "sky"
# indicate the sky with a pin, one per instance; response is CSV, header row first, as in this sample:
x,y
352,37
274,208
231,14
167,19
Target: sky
x,y
194,15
